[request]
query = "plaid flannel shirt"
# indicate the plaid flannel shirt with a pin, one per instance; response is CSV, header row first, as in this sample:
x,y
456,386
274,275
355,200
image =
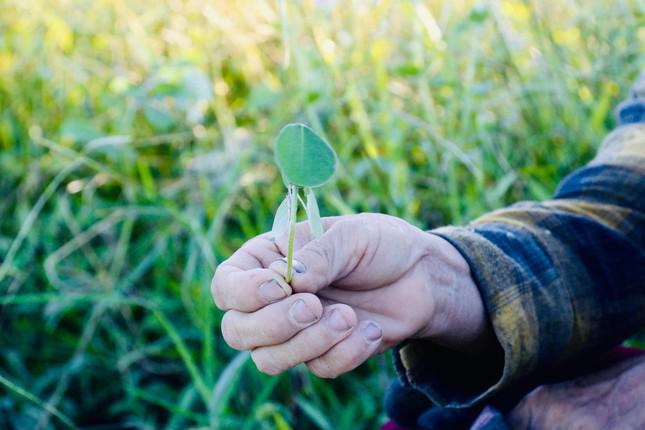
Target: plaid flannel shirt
x,y
559,278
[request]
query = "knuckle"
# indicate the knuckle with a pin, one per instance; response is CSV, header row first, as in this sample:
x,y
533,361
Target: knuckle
x,y
318,252
351,224
256,276
231,332
363,218
360,228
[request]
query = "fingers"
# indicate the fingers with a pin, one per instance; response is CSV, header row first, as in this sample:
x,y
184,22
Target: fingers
x,y
347,355
248,290
257,252
242,282
320,262
331,347
271,325
335,325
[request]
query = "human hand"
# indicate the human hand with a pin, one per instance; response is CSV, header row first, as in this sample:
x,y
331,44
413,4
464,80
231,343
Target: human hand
x,y
611,399
370,282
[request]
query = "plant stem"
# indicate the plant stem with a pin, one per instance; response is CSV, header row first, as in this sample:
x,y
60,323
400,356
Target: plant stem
x,y
293,210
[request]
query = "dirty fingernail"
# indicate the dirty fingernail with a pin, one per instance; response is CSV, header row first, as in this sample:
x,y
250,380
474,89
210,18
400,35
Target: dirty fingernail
x,y
298,267
337,321
271,291
372,332
301,312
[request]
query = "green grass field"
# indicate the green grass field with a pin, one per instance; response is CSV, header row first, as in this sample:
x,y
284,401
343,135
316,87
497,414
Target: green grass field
x,y
135,154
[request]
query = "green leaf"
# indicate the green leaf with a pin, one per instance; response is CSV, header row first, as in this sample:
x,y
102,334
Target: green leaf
x,y
158,117
313,214
79,130
304,158
281,220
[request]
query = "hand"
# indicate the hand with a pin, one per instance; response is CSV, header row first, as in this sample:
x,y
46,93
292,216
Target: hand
x,y
370,282
611,399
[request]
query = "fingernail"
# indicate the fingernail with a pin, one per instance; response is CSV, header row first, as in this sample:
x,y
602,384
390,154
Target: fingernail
x,y
301,312
271,291
372,332
337,321
298,267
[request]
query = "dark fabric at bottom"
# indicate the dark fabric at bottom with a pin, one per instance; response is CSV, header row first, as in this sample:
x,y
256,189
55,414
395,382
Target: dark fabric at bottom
x,y
410,410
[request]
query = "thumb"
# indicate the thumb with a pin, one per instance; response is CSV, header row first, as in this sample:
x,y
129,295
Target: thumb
x,y
332,257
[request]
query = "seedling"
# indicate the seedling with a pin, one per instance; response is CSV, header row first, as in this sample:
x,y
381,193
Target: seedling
x,y
306,161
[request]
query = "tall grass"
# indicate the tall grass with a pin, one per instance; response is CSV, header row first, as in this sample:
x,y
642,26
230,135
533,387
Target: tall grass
x,y
135,154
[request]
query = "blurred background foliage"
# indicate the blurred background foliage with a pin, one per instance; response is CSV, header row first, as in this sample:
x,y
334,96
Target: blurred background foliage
x,y
135,153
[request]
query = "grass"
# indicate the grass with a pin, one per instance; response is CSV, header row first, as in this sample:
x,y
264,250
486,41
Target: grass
x,y
135,154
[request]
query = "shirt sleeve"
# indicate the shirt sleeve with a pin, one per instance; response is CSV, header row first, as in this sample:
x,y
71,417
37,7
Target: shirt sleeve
x,y
558,278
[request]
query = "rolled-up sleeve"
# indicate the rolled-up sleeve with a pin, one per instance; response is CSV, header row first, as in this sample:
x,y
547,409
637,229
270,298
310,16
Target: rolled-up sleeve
x,y
558,278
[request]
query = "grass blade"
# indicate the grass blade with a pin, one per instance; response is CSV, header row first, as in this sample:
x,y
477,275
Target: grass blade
x,y
32,398
226,384
185,355
313,413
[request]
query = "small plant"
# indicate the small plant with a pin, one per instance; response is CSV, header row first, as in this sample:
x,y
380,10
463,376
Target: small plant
x,y
306,161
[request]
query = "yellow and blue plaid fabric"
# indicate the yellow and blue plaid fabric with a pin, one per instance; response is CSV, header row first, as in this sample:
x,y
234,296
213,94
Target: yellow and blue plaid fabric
x,y
559,279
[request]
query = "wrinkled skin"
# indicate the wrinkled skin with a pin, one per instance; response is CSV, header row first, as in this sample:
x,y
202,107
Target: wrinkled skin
x,y
613,398
370,282
373,281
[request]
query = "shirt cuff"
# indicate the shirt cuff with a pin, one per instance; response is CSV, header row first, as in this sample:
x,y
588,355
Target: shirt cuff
x,y
450,378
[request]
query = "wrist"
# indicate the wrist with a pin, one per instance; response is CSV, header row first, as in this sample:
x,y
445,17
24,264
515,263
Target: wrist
x,y
458,320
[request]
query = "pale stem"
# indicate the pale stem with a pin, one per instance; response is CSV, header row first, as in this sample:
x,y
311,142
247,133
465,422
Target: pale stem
x,y
292,193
